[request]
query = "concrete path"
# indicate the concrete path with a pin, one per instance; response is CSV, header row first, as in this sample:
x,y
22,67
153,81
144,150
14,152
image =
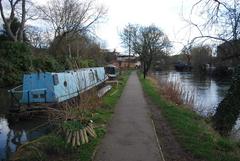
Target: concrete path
x,y
130,136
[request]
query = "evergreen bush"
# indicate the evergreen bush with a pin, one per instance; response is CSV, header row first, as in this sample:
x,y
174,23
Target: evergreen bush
x,y
228,110
15,59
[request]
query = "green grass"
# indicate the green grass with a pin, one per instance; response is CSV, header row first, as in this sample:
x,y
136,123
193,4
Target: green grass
x,y
192,132
56,147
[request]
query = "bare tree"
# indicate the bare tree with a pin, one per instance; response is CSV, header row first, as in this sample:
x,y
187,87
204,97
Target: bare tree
x,y
72,16
200,56
21,10
222,23
127,39
147,43
187,53
8,20
37,37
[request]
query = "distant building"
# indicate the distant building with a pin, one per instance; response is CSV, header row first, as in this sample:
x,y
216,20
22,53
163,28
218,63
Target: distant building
x,y
121,61
125,61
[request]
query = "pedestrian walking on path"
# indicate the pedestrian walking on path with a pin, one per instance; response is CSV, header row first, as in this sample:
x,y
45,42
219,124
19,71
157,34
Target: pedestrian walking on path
x,y
130,135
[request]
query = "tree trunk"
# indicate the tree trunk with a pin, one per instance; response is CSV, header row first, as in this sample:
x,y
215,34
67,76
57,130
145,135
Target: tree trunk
x,y
144,70
69,51
21,29
129,53
7,23
10,33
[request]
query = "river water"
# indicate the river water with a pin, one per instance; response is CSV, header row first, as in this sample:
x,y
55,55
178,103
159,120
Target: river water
x,y
13,134
207,92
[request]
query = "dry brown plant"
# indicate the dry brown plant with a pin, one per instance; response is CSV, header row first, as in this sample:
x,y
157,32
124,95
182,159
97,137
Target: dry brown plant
x,y
174,91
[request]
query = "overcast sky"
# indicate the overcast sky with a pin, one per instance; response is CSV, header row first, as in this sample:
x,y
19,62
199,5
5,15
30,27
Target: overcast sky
x,y
167,15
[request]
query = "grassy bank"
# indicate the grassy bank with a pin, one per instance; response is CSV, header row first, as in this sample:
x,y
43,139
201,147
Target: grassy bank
x,y
54,147
192,131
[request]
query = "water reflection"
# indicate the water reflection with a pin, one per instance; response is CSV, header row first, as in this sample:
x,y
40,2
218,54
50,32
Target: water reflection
x,y
5,101
207,92
10,139
13,134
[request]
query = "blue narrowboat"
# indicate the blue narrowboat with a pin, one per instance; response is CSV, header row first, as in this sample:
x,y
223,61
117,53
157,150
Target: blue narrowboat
x,y
46,87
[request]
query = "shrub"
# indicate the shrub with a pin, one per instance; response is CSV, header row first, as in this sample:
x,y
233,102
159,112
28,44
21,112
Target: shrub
x,y
229,108
14,61
222,71
46,63
76,62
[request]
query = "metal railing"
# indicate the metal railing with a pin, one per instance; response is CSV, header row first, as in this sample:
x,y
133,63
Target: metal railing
x,y
17,95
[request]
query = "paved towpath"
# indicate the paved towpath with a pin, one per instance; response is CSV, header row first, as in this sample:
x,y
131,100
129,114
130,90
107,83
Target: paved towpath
x,y
130,135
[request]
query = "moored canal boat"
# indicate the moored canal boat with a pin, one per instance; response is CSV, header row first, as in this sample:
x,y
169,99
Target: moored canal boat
x,y
112,71
47,87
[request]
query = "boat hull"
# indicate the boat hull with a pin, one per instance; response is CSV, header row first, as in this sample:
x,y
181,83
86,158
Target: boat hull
x,y
58,87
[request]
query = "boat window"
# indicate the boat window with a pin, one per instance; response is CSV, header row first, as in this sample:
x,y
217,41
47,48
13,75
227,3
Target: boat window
x,y
65,83
55,79
39,95
42,95
110,70
35,96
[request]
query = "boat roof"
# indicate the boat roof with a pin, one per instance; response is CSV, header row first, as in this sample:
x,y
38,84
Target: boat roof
x,y
67,71
111,65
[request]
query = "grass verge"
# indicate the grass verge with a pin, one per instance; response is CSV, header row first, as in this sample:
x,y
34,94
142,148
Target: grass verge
x,y
53,147
192,132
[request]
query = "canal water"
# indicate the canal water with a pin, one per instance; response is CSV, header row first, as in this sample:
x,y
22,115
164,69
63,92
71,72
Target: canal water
x,y
207,92
13,134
